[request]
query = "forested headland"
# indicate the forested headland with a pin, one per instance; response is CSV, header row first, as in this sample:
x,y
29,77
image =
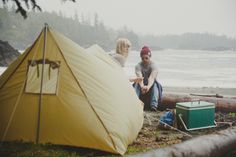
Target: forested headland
x,y
86,31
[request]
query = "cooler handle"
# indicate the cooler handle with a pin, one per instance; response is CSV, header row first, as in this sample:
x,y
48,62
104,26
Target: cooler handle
x,y
193,100
182,121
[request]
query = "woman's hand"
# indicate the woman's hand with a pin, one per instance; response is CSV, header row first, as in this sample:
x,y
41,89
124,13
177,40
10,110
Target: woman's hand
x,y
136,80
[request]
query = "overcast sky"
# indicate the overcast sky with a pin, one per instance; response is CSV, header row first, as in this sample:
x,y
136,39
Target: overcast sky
x,y
156,16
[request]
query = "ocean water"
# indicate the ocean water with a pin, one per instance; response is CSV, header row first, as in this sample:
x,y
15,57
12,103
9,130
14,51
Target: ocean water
x,y
189,68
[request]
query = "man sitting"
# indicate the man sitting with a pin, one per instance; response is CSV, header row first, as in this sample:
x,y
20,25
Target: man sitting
x,y
149,86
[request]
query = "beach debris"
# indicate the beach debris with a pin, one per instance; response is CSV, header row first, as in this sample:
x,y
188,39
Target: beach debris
x,y
208,95
222,104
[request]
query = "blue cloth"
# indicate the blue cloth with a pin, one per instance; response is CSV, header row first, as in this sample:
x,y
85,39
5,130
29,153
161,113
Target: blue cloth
x,y
155,93
167,118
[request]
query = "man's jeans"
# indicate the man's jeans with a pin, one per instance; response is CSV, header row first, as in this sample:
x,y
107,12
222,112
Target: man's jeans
x,y
154,93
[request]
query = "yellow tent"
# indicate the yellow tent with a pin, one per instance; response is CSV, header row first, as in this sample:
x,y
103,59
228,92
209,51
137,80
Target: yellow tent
x,y
101,54
57,92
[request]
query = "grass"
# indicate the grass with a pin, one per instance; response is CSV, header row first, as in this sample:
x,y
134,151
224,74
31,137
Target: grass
x,y
28,149
134,150
23,149
232,114
150,137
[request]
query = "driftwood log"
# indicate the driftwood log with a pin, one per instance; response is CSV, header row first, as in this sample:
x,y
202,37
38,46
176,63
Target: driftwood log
x,y
220,144
222,104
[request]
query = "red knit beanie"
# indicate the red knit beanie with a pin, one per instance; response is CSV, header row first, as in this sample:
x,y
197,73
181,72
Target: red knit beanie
x,y
145,51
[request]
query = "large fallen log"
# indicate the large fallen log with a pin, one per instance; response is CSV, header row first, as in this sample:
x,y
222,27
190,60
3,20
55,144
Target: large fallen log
x,y
216,145
222,104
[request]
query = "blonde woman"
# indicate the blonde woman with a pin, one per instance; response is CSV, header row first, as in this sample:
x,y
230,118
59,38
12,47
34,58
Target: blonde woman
x,y
123,46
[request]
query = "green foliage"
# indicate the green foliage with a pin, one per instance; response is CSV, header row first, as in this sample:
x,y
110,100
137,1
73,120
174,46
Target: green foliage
x,y
232,114
191,41
20,9
21,33
30,4
135,150
27,149
129,34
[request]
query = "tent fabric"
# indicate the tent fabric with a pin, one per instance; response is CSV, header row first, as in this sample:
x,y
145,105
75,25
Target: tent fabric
x,y
91,103
104,56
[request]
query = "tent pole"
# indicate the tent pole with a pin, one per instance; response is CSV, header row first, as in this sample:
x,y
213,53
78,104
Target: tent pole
x,y
41,85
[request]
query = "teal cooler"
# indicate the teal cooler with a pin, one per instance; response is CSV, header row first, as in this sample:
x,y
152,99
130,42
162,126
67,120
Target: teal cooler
x,y
195,115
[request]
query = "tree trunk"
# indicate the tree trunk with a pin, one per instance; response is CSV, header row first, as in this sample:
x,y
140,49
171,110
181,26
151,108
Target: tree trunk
x,y
216,145
222,104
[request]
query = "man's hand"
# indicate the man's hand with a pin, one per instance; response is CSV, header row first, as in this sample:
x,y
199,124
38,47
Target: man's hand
x,y
144,89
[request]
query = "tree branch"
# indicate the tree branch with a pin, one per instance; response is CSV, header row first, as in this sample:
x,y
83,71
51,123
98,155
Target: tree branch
x,y
28,3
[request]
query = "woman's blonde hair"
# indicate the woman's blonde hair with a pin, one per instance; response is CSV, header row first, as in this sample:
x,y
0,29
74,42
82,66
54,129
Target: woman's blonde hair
x,y
121,44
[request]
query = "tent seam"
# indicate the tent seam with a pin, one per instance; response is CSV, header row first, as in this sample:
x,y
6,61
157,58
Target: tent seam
x,y
85,94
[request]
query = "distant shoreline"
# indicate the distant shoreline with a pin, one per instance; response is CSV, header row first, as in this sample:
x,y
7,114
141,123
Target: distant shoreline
x,y
226,92
210,50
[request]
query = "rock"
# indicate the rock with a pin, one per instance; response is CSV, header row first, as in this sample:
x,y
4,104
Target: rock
x,y
7,53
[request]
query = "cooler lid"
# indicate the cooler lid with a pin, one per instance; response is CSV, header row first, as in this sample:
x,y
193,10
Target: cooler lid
x,y
195,104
